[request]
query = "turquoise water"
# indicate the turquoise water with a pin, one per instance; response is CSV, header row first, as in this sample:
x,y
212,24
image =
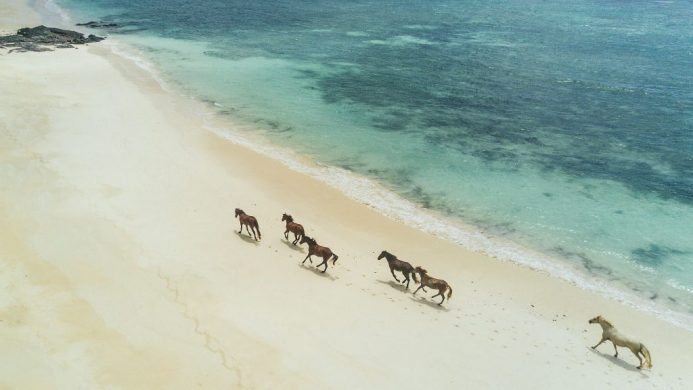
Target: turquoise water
x,y
565,127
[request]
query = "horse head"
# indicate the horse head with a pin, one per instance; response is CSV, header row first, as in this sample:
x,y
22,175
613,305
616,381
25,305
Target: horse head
x,y
596,320
239,212
286,217
384,254
306,239
420,270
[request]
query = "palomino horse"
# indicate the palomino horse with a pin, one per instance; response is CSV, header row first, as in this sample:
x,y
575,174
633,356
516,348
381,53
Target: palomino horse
x,y
293,227
610,333
249,222
436,284
321,251
398,265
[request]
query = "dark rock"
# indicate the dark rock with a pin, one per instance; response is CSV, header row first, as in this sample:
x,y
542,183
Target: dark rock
x,y
24,47
38,38
95,24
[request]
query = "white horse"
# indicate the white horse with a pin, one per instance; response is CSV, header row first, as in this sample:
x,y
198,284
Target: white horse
x,y
610,333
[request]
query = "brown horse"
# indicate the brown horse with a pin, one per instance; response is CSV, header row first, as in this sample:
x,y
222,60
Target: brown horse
x,y
249,222
293,227
436,284
318,250
398,265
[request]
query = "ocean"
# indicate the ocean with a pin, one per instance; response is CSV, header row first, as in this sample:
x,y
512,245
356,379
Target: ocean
x,y
558,134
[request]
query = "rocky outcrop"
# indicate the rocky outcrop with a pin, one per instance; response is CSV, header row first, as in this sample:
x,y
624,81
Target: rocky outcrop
x,y
42,38
95,24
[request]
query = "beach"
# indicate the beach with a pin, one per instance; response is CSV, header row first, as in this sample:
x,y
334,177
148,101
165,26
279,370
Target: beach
x,y
121,264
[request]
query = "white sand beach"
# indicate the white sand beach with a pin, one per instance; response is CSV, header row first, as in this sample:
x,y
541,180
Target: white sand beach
x,y
121,265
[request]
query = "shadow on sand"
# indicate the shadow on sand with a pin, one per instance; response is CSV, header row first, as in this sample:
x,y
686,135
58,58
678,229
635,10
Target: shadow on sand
x,y
618,362
297,248
397,286
247,239
317,271
425,301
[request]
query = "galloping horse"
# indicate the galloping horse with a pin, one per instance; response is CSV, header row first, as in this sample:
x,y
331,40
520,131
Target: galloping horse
x,y
610,333
398,265
249,222
318,250
293,227
437,284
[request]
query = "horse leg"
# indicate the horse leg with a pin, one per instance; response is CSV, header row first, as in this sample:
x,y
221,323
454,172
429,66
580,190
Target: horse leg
x,y
643,356
295,238
615,349
286,234
420,287
637,356
600,342
440,292
308,258
392,271
247,229
406,279
324,261
241,230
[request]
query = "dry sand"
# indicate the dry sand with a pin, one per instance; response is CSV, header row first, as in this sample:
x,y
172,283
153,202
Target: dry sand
x,y
120,265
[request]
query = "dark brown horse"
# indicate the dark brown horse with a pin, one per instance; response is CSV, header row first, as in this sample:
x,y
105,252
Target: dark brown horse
x,y
436,284
249,222
293,227
318,250
398,265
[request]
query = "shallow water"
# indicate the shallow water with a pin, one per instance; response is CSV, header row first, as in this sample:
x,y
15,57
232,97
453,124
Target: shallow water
x,y
563,126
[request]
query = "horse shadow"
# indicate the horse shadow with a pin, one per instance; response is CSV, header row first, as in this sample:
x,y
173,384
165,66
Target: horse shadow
x,y
297,248
317,272
618,362
425,301
247,239
397,286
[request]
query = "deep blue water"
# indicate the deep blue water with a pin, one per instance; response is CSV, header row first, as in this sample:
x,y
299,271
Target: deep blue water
x,y
565,126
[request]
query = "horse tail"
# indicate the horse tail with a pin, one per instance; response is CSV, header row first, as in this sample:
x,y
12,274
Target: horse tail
x,y
449,291
257,226
413,275
646,352
334,258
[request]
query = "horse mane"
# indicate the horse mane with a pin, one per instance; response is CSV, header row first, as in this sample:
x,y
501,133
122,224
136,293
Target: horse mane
x,y
604,320
310,240
289,218
239,211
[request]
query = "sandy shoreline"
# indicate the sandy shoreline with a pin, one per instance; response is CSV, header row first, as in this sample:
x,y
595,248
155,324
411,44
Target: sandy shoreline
x,y
121,265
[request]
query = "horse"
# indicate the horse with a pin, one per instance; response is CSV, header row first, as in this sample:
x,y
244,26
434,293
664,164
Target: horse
x,y
249,222
318,250
293,227
398,265
437,284
617,339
